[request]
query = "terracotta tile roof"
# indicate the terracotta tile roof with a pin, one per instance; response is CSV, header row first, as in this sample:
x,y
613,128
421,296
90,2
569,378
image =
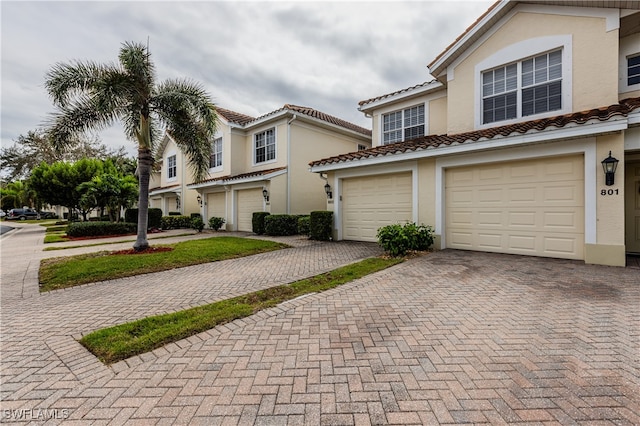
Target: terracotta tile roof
x,y
313,113
234,117
162,188
388,95
240,176
434,141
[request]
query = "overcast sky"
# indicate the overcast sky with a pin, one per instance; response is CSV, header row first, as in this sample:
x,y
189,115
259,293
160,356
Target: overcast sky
x,y
252,57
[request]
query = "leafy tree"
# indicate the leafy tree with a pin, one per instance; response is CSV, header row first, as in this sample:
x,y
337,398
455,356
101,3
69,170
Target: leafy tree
x,y
57,183
17,161
110,191
92,96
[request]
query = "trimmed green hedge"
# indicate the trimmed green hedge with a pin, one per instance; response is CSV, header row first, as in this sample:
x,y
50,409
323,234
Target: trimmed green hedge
x,y
176,222
304,222
398,239
95,229
321,225
281,224
154,217
216,223
257,222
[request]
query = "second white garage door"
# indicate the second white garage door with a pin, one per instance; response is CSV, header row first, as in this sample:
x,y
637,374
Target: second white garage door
x,y
371,202
248,201
533,207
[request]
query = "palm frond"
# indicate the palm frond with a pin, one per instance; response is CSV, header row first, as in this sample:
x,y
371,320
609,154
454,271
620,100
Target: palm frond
x,y
135,58
64,82
72,121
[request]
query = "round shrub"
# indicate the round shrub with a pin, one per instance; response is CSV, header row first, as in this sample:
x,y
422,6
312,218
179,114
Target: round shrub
x,y
197,223
398,239
216,223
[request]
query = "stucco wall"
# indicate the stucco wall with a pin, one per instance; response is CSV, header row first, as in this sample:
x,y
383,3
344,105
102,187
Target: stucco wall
x,y
594,62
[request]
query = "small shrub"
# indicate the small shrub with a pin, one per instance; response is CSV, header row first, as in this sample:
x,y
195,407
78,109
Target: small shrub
x,y
216,223
281,224
321,225
398,239
197,223
175,222
303,225
95,229
257,222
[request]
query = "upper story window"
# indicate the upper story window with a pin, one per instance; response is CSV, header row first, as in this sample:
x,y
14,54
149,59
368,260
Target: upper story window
x,y
265,146
172,167
524,88
216,153
633,70
403,125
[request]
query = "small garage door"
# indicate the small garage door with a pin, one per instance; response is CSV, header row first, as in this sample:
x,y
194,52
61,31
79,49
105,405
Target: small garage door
x,y
533,207
371,202
249,201
216,205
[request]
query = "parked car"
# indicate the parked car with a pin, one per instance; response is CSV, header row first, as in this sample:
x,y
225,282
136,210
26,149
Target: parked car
x,y
2,213
22,214
48,215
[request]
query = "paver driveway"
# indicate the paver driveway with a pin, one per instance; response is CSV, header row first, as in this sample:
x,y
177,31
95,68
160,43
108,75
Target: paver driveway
x,y
452,337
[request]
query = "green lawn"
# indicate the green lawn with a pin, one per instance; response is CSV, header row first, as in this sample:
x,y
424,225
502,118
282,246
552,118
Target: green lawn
x,y
123,341
62,272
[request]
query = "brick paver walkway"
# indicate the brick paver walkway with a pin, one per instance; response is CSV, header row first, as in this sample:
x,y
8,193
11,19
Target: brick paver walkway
x,y
452,337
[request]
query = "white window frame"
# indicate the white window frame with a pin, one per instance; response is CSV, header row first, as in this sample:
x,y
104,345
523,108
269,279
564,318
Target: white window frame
x,y
255,147
635,85
174,168
403,127
517,53
217,154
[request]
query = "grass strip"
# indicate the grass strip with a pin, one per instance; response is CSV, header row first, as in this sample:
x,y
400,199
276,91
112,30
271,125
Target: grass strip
x,y
63,272
101,244
126,340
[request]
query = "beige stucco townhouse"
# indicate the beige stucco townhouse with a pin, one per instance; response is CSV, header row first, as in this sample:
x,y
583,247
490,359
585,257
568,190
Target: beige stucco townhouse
x,y
503,150
257,164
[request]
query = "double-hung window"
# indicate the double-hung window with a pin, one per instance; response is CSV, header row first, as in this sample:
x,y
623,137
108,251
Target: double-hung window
x,y
529,87
403,125
172,167
633,70
265,146
216,153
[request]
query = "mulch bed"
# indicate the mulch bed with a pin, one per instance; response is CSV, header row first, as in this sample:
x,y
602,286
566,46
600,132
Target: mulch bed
x,y
146,251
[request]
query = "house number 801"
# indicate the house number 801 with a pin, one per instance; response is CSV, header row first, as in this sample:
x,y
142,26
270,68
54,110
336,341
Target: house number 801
x,y
609,192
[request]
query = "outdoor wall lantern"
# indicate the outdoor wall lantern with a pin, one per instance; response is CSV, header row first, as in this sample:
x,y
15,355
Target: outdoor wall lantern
x,y
265,194
199,200
178,202
609,164
327,189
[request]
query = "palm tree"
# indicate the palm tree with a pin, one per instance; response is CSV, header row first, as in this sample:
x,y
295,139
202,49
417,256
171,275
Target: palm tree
x,y
91,96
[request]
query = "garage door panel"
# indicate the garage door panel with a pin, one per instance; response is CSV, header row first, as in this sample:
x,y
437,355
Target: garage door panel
x,y
368,203
248,201
520,210
216,204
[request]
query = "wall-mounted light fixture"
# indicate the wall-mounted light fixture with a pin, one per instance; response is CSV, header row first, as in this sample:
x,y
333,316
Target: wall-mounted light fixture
x,y
199,200
609,165
327,190
178,202
265,195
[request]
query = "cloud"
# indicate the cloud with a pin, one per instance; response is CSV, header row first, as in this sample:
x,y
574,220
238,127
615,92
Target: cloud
x,y
253,57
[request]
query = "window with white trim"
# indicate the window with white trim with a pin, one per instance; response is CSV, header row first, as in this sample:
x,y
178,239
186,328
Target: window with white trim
x,y
172,167
216,153
265,146
403,125
528,87
633,70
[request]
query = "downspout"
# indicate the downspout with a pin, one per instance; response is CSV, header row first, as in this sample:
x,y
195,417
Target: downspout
x,y
289,163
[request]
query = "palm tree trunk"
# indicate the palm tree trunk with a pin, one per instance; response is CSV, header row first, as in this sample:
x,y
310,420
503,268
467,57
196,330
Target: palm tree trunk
x,y
145,161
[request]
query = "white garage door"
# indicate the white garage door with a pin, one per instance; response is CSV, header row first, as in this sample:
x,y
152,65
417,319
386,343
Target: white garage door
x,y
533,207
249,201
216,205
371,202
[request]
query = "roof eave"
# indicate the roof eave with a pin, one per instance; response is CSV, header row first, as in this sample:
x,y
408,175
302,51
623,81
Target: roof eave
x,y
531,137
433,86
